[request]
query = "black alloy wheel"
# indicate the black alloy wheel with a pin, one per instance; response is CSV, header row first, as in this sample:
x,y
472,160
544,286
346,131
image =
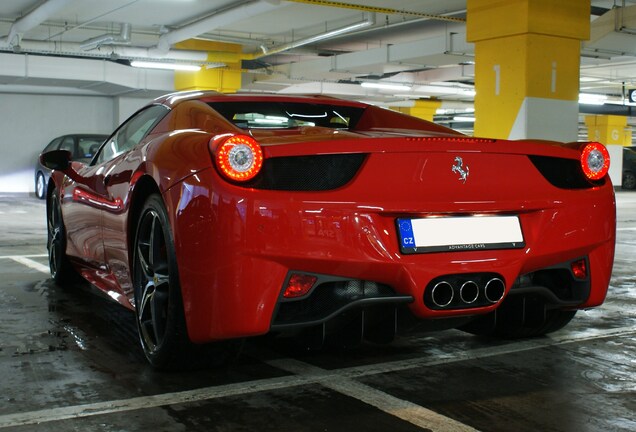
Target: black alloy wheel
x,y
159,308
158,301
40,187
59,265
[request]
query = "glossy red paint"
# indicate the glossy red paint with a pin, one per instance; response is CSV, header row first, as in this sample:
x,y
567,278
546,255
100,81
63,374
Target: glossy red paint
x,y
236,245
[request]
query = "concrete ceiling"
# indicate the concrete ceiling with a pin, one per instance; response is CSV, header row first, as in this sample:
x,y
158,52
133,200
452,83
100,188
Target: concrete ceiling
x,y
82,46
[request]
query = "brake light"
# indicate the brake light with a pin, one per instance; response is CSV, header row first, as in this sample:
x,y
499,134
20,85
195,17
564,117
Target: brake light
x,y
239,158
595,161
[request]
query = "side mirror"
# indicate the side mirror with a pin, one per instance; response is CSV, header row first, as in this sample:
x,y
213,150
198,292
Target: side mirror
x,y
60,160
56,159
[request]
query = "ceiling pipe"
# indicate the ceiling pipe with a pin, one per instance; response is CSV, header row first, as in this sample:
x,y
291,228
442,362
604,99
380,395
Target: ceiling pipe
x,y
222,18
32,20
189,31
91,47
123,38
368,21
381,10
113,52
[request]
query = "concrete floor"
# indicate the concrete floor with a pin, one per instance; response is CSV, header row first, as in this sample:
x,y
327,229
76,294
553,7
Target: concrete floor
x,y
70,361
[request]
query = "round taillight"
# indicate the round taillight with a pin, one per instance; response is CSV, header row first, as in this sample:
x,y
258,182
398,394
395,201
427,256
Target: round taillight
x,y
239,158
595,161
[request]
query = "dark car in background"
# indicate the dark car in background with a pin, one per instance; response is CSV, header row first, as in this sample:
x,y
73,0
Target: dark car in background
x,y
82,148
629,168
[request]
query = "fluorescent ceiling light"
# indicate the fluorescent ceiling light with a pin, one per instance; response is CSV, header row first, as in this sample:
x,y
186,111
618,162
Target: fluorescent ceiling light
x,y
592,99
464,119
385,86
445,90
271,120
170,66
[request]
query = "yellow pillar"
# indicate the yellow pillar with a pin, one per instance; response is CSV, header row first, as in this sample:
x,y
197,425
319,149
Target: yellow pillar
x,y
608,129
225,79
527,55
424,109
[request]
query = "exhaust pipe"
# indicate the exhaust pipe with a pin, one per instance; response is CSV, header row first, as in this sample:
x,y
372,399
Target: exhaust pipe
x,y
442,294
494,290
469,292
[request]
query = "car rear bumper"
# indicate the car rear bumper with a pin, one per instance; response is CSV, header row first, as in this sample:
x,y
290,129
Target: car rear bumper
x,y
237,247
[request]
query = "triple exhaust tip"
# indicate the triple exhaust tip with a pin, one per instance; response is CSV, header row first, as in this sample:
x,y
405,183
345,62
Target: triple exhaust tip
x,y
443,293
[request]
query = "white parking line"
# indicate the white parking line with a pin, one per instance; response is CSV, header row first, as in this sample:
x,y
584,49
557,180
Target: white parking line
x,y
405,410
23,256
215,392
145,402
480,353
31,264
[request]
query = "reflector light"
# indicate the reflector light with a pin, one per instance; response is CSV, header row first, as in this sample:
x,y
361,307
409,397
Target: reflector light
x,y
595,161
579,269
239,158
299,285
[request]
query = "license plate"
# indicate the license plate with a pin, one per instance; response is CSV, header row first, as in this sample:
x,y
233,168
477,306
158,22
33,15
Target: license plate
x,y
454,234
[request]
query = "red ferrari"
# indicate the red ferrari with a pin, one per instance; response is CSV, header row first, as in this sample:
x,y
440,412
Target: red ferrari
x,y
219,217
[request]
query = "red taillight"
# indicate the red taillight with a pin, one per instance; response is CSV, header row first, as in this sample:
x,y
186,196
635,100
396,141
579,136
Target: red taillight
x,y
299,285
239,158
595,161
579,269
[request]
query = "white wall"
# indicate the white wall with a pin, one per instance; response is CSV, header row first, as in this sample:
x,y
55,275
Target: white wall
x,y
28,122
124,107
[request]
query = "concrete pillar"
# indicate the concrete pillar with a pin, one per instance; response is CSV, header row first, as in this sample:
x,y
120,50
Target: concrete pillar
x,y
527,55
424,108
611,130
225,80
608,129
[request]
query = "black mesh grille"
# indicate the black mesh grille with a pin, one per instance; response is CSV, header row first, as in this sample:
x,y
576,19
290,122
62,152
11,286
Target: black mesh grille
x,y
557,280
308,173
563,173
328,298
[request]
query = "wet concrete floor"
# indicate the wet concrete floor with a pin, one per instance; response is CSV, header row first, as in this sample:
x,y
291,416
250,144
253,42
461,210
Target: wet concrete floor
x,y
70,361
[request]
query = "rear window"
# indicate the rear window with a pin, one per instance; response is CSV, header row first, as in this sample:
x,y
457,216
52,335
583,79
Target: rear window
x,y
281,115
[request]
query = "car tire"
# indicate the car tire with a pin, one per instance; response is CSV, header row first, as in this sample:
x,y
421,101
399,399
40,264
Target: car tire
x,y
629,180
62,271
159,308
40,186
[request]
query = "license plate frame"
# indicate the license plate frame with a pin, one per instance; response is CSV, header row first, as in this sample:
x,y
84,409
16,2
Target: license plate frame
x,y
459,233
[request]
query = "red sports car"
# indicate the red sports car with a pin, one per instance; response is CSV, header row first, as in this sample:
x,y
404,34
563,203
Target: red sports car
x,y
218,217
